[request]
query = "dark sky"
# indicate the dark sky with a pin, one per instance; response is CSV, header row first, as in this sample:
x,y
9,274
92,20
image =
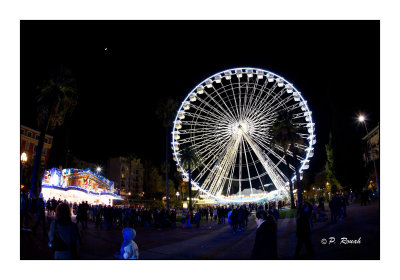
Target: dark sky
x,y
335,64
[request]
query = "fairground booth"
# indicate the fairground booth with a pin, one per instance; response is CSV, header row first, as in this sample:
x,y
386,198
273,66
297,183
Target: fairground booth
x,y
77,185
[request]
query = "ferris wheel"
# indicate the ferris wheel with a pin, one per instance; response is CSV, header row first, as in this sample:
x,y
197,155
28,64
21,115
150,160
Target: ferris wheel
x,y
228,121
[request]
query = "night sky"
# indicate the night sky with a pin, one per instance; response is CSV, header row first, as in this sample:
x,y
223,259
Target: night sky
x,y
335,65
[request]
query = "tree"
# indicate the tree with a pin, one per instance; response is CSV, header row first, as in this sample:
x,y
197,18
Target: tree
x,y
189,161
333,183
57,98
166,110
285,135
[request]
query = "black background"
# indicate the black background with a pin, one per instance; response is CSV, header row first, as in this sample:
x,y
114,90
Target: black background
x,y
335,64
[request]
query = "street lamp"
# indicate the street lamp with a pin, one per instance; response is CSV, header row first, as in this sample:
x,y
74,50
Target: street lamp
x,y
177,195
98,169
362,119
24,159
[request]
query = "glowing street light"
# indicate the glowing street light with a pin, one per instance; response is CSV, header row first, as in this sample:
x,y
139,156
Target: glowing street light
x,y
24,158
98,169
361,118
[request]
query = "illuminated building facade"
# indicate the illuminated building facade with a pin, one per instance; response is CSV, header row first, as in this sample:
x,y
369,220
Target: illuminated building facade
x,y
77,185
30,140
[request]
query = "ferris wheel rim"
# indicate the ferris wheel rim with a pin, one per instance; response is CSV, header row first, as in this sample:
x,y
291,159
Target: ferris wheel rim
x,y
233,71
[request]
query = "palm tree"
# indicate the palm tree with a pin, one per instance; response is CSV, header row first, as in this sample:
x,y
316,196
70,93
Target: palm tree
x,y
166,110
57,98
189,161
285,135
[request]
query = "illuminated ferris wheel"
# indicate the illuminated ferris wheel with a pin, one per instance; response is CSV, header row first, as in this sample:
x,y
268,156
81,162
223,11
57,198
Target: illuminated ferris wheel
x,y
228,121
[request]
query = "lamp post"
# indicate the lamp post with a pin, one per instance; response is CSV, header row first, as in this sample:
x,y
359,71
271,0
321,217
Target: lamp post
x,y
24,159
177,195
362,119
98,169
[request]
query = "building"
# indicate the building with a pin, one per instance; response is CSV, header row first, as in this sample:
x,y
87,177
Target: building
x,y
127,174
371,155
78,185
29,142
372,145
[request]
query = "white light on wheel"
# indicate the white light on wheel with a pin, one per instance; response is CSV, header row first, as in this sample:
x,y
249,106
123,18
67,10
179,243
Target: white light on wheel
x,y
227,75
270,77
289,88
279,81
260,74
186,105
249,73
181,115
296,96
200,90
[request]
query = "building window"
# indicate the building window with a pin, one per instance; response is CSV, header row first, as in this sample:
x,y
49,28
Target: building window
x,y
37,137
34,147
49,141
27,146
44,151
29,134
122,176
45,140
42,161
22,131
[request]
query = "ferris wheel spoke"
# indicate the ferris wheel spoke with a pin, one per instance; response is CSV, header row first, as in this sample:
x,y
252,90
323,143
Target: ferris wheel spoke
x,y
281,104
234,98
222,113
252,102
212,120
248,171
260,91
270,104
280,158
267,163
217,174
261,101
255,166
227,108
217,116
231,176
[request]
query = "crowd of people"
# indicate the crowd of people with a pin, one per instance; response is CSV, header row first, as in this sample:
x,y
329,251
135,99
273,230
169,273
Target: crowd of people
x,y
64,233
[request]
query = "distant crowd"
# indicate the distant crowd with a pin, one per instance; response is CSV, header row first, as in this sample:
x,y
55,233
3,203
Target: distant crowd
x,y
64,235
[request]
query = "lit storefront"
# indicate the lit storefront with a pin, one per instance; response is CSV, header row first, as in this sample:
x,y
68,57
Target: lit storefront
x,y
77,185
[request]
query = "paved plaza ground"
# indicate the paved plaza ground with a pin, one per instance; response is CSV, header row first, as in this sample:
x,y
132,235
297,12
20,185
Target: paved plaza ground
x,y
213,241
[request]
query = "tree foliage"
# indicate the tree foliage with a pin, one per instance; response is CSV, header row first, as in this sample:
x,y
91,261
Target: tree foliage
x,y
189,161
57,98
333,182
284,136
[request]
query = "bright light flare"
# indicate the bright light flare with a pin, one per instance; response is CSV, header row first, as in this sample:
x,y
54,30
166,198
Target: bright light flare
x,y
361,118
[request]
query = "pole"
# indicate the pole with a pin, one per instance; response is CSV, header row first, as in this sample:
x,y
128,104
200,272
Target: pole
x,y
373,161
